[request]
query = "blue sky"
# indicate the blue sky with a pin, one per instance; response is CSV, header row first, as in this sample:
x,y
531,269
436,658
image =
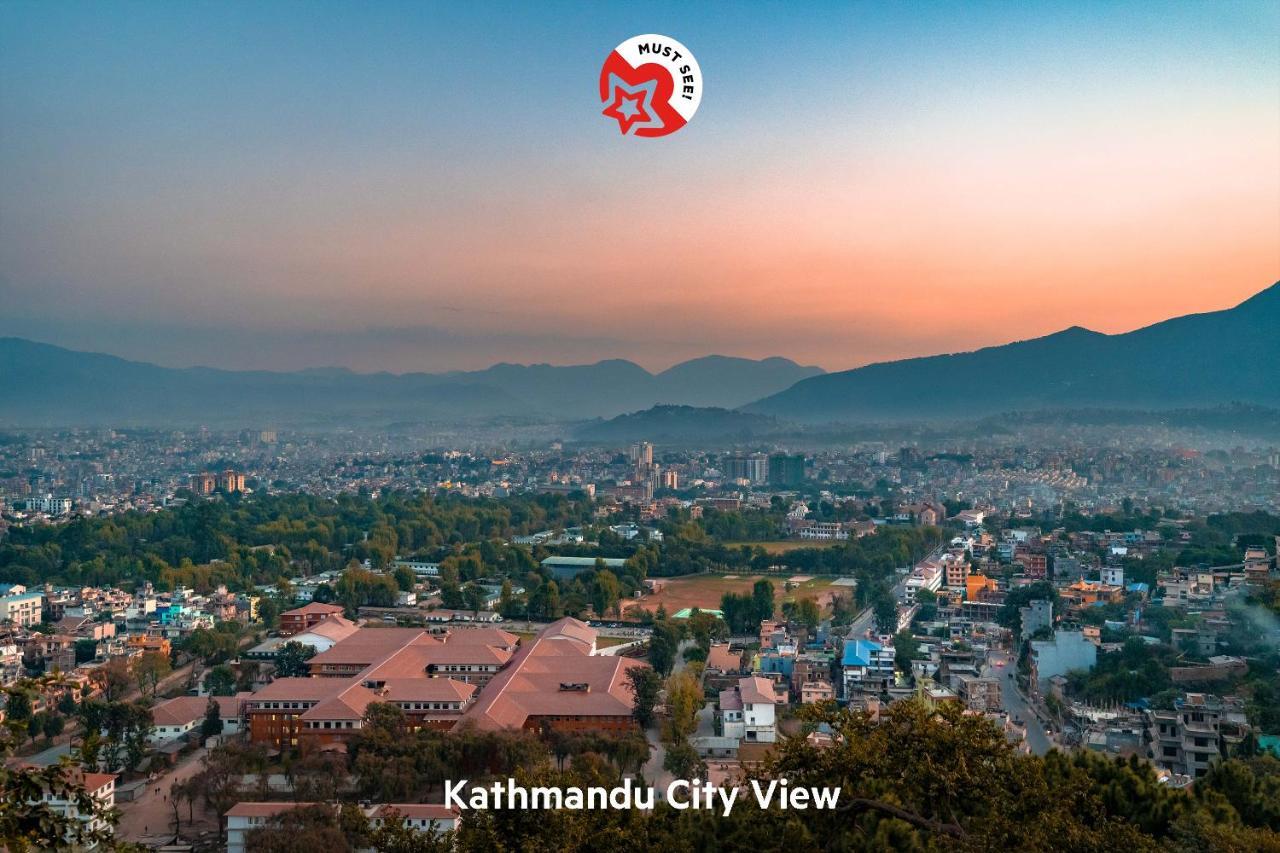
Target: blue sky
x,y
431,186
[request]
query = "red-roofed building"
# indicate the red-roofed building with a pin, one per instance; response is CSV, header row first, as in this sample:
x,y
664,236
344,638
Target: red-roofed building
x,y
300,619
555,682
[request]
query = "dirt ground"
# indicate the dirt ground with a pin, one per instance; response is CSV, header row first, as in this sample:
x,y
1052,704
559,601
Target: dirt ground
x,y
149,818
705,591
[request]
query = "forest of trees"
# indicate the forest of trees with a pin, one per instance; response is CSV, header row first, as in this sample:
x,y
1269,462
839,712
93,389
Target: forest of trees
x,y
923,778
274,539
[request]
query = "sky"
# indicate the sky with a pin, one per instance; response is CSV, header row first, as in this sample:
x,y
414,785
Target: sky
x,y
424,186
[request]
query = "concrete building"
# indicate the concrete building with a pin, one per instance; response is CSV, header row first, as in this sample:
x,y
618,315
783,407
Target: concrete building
x,y
1198,731
1067,651
20,608
1036,616
308,616
748,710
866,667
101,787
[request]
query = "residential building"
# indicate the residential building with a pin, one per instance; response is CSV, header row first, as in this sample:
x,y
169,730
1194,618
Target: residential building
x,y
866,667
99,786
747,711
1199,730
20,608
308,616
1067,651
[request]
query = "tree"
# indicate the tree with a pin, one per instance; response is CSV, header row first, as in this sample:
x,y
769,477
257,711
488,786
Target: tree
x,y
305,828
905,650
112,678
220,681
684,701
291,660
1010,615
807,613
762,600
645,686
683,761
18,705
269,608
149,670
886,612
605,591
53,726
404,577
29,823
663,644
395,836
212,723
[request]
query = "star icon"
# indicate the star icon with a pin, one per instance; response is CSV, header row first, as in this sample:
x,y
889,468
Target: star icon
x,y
632,105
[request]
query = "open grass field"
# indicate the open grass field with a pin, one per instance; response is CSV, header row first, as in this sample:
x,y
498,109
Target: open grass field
x,y
782,546
705,591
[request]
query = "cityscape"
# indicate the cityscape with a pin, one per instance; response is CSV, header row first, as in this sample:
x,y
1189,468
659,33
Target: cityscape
x,y
886,458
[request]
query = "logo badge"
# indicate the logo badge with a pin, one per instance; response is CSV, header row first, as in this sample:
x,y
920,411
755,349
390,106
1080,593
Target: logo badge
x,y
651,85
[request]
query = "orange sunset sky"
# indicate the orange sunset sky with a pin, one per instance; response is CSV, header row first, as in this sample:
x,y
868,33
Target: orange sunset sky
x,y
428,188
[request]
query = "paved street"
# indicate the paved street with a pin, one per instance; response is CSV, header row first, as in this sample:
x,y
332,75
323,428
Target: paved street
x,y
1016,705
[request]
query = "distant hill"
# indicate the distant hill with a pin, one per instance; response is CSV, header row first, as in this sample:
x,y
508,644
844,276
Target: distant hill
x,y
45,385
679,424
1192,361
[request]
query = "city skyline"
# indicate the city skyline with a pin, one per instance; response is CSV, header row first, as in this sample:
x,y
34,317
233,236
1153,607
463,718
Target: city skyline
x,y
304,186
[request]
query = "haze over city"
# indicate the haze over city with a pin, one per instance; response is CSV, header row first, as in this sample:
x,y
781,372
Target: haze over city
x,y
427,188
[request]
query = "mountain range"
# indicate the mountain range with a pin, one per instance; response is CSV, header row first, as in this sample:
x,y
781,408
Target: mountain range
x,y
1191,361
46,385
1198,360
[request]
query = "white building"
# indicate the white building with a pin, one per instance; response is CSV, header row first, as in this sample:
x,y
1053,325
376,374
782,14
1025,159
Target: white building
x,y
866,667
748,711
19,607
925,576
102,788
243,818
175,718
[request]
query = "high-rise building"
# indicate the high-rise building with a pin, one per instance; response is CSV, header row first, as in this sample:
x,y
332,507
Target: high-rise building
x,y
786,470
203,484
754,468
231,481
641,453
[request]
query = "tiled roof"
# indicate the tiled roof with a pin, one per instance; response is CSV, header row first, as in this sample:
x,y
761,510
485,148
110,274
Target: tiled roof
x,y
756,691
312,609
722,659
416,811
532,684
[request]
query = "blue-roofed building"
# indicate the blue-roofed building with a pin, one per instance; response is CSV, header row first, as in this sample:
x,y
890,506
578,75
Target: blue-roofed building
x,y
866,667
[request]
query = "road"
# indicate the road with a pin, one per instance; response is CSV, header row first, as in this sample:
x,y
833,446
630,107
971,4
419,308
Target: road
x,y
149,818
653,772
866,620
1015,704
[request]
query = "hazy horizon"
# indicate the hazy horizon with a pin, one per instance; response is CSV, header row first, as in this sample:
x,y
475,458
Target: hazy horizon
x,y
428,188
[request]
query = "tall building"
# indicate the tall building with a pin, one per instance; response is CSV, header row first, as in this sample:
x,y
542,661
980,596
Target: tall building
x,y
786,470
231,481
641,453
754,467
203,484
